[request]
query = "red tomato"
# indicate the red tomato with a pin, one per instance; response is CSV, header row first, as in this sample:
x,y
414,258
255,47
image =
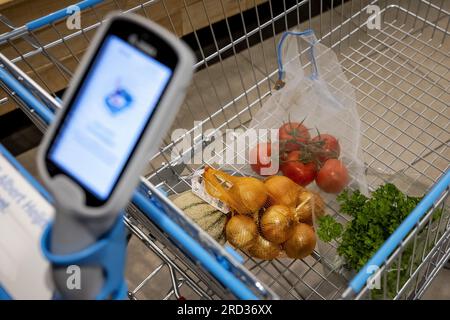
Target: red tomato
x,y
292,135
299,172
326,147
333,176
261,157
296,156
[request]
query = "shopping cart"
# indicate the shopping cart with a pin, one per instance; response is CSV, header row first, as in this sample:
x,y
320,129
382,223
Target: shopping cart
x,y
400,71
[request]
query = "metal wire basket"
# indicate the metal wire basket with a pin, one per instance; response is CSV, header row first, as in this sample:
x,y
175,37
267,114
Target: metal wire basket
x,y
399,69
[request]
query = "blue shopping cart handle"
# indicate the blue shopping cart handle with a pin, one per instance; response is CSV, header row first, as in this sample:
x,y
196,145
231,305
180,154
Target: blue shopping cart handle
x,y
57,15
4,295
360,280
34,104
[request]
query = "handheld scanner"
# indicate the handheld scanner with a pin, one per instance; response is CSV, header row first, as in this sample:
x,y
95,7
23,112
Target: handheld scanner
x,y
120,103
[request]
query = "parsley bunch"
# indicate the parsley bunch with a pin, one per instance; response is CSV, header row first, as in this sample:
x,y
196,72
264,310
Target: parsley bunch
x,y
374,220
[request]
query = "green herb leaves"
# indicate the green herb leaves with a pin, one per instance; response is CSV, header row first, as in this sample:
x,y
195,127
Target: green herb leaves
x,y
329,228
374,220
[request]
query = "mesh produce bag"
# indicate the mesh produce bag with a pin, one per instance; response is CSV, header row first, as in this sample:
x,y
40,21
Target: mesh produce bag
x,y
312,90
312,93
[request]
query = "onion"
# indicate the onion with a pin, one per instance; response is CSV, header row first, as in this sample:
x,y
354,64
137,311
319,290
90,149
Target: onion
x,y
265,250
302,242
282,190
250,194
245,196
277,223
310,205
241,231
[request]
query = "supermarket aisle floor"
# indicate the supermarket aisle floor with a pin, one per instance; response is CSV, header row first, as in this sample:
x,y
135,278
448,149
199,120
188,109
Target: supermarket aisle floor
x,y
440,288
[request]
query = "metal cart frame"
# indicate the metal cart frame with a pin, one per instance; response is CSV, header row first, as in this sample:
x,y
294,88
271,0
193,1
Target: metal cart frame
x,y
400,73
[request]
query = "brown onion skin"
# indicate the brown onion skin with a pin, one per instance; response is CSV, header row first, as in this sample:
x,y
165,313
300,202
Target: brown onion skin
x,y
241,231
250,194
246,195
282,190
277,223
265,250
310,204
302,242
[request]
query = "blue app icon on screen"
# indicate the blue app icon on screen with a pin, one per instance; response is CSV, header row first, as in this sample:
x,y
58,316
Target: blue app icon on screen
x,y
118,100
